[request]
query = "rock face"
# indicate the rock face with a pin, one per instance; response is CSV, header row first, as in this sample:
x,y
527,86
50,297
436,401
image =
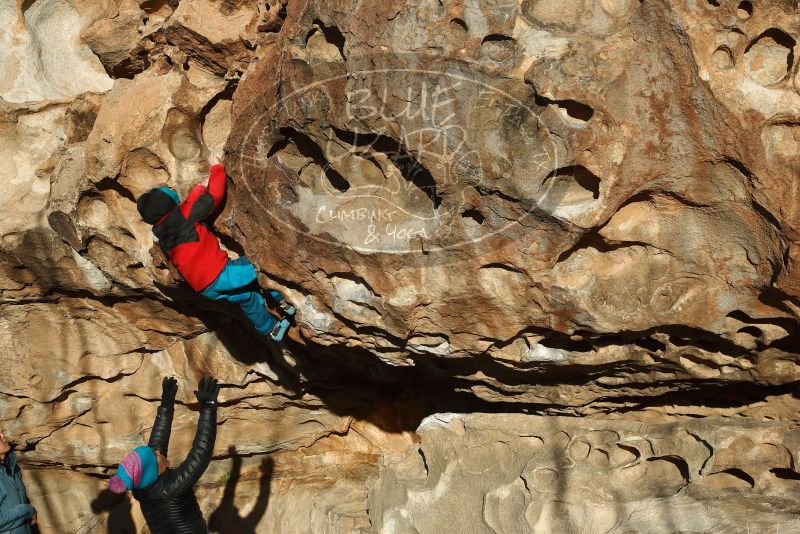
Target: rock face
x,y
514,210
517,473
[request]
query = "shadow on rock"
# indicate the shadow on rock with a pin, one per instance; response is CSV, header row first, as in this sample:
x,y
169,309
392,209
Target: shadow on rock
x,y
120,520
227,517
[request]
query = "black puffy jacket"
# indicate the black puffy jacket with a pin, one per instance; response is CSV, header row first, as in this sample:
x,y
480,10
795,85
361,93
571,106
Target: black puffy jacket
x,y
169,505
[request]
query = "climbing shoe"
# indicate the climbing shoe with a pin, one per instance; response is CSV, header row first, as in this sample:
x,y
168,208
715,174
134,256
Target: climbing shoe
x,y
279,330
287,309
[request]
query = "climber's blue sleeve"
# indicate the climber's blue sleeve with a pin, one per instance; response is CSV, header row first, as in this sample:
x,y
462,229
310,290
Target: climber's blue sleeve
x,y
12,517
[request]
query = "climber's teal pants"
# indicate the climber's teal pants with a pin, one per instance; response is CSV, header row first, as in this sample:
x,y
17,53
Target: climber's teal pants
x,y
238,283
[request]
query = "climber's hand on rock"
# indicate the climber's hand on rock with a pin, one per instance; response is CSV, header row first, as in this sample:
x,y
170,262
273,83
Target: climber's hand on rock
x,y
169,388
213,159
207,391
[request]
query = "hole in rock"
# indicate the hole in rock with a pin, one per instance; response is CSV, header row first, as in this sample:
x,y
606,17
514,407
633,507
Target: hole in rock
x,y
738,473
182,133
633,450
574,109
496,38
770,56
279,145
785,474
581,176
129,67
473,216
152,6
745,10
332,34
498,47
408,165
111,184
722,58
308,148
459,23
713,3
677,461
231,243
225,94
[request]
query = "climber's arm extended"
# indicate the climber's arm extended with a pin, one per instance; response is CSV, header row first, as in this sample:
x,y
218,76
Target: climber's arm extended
x,y
162,428
189,472
203,201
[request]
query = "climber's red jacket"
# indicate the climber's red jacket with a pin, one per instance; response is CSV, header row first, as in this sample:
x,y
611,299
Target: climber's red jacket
x,y
193,249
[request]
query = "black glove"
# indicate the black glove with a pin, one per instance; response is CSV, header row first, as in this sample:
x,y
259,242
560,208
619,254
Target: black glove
x,y
169,387
207,391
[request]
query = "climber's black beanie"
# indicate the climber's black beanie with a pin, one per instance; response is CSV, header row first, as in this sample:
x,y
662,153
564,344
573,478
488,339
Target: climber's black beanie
x,y
154,204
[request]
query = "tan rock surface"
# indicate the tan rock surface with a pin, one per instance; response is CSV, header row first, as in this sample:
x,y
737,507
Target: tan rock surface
x,y
516,207
517,473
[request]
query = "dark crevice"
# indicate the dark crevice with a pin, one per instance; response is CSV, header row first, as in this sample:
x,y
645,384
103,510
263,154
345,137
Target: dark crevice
x,y
790,343
272,21
503,267
746,9
231,243
473,215
583,176
785,474
353,277
687,336
790,325
151,6
738,473
739,166
681,335
111,184
129,67
598,243
632,450
424,461
780,37
678,462
310,149
702,393
333,35
576,110
459,22
652,196
496,37
398,154
225,94
653,345
752,330
766,214
279,145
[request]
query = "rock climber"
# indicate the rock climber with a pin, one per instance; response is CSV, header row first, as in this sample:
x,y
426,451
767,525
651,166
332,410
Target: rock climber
x,y
195,251
166,495
17,516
